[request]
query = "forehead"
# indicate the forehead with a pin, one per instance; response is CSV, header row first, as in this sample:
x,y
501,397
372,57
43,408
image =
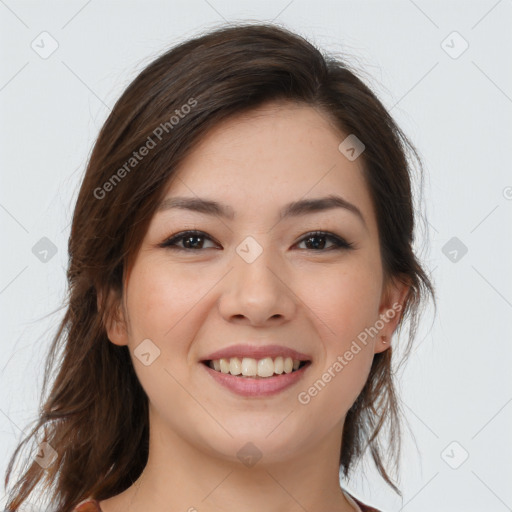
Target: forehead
x,y
258,161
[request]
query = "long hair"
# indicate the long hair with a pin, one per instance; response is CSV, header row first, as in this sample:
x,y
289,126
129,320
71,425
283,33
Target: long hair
x,y
95,415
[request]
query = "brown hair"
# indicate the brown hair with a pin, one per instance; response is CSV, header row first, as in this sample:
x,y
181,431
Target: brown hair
x,y
96,415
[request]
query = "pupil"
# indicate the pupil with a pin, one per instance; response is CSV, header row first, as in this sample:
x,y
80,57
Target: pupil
x,y
316,245
188,239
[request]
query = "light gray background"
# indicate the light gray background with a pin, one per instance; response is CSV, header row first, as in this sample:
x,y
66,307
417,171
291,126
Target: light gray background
x,y
457,111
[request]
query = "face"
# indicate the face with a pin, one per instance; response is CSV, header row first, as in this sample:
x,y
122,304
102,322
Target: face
x,y
256,278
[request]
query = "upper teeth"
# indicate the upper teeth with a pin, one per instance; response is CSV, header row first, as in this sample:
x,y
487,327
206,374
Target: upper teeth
x,y
249,367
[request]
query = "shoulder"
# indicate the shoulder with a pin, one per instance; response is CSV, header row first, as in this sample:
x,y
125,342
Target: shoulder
x,y
88,505
92,505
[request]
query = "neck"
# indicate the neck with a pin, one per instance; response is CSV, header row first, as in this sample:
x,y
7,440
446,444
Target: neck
x,y
181,476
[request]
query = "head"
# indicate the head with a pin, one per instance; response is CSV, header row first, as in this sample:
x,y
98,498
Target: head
x,y
251,117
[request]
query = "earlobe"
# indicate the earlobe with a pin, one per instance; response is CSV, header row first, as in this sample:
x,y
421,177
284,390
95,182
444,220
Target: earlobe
x,y
390,312
116,332
113,318
382,344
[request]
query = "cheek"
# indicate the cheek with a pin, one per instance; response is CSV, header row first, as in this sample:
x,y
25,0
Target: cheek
x,y
161,304
345,300
159,297
168,304
335,384
345,303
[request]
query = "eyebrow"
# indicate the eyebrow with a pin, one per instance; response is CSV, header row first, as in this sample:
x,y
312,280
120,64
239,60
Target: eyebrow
x,y
294,209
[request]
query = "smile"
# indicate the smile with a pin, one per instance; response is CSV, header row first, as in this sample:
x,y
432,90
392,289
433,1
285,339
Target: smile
x,y
255,385
257,368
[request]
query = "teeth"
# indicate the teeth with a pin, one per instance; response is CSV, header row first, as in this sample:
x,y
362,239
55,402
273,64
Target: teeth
x,y
249,367
224,366
235,366
265,367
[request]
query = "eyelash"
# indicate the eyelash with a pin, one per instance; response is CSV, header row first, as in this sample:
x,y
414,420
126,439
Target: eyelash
x,y
339,243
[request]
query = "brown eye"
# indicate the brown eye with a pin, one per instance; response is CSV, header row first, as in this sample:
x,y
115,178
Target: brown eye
x,y
194,241
191,240
312,240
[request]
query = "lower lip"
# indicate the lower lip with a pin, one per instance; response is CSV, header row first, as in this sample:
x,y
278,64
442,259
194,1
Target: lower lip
x,y
248,386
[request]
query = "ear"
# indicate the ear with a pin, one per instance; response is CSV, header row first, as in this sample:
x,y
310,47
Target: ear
x,y
111,311
391,308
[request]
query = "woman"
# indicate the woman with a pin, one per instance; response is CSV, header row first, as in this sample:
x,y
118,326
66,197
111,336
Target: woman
x,y
240,258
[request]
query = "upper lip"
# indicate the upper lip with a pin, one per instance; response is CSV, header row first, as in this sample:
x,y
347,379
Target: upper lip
x,y
256,352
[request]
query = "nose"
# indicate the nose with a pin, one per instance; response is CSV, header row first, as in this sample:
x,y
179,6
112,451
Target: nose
x,y
257,293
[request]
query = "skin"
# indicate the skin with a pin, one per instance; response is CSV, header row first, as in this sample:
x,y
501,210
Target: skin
x,y
314,300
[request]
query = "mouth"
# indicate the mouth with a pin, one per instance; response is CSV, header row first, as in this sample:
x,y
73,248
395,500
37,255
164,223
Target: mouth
x,y
251,368
256,371
256,378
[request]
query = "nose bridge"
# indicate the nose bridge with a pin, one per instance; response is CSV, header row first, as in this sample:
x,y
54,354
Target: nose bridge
x,y
253,263
256,289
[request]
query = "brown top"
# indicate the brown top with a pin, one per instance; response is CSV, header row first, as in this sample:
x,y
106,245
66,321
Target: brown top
x,y
92,505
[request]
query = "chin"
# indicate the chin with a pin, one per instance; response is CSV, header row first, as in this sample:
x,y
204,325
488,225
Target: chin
x,y
254,446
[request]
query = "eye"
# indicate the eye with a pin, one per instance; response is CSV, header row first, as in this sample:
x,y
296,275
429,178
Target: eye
x,y
338,242
194,240
191,240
